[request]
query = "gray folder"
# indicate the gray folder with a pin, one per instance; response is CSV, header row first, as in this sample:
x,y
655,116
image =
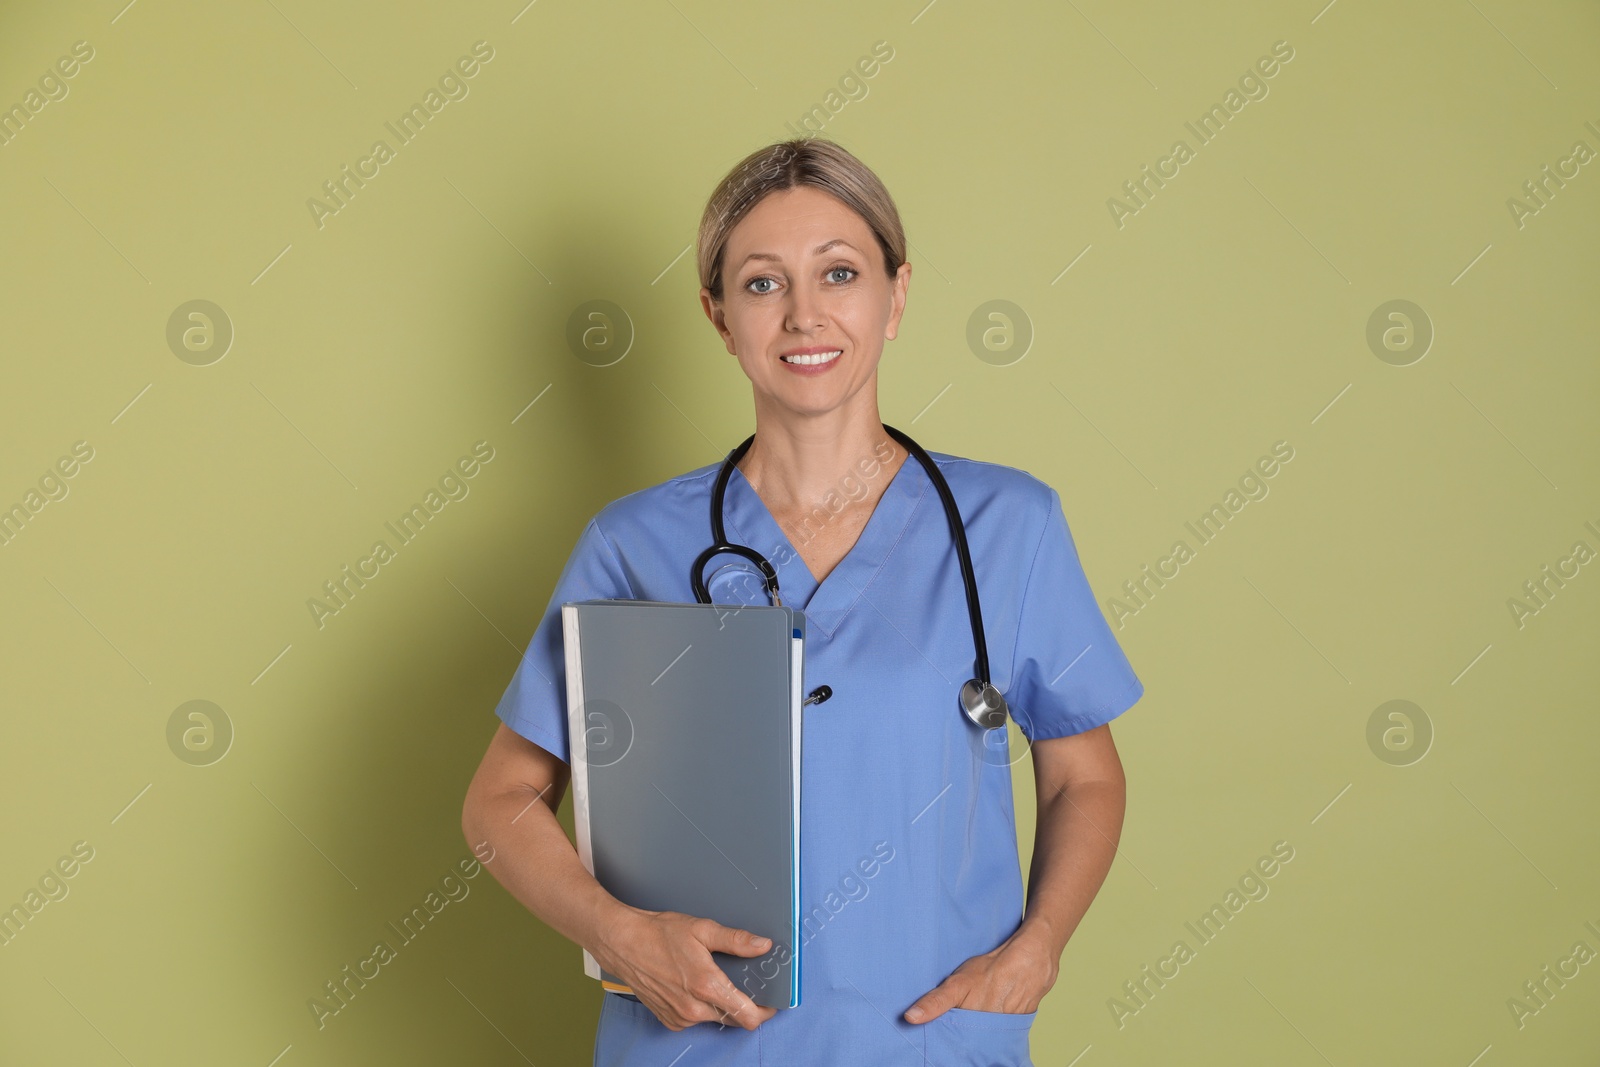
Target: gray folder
x,y
684,724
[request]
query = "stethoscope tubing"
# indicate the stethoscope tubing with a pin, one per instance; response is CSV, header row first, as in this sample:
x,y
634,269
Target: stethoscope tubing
x,y
958,533
769,575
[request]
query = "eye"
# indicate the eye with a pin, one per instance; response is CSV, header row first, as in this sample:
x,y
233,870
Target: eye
x,y
851,271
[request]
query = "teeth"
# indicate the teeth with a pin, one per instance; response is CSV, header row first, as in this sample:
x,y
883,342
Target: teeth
x,y
812,360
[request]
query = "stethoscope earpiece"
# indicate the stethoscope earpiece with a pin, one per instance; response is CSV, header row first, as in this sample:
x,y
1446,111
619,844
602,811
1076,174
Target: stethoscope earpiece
x,y
983,704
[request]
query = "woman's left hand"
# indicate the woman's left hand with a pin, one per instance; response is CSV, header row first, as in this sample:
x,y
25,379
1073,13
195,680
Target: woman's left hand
x,y
1012,978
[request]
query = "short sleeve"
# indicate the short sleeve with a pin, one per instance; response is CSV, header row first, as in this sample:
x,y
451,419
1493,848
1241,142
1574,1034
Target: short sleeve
x,y
1069,674
535,703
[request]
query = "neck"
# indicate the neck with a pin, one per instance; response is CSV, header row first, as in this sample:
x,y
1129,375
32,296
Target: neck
x,y
796,460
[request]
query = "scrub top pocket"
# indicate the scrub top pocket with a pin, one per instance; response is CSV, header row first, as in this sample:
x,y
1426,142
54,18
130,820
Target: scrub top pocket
x,y
962,1037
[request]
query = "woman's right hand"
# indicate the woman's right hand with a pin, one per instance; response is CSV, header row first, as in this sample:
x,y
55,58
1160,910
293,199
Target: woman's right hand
x,y
665,957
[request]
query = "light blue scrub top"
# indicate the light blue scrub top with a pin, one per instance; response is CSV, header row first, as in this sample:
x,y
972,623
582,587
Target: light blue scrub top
x,y
909,861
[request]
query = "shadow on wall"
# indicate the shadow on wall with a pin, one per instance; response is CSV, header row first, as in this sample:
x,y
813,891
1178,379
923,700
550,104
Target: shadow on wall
x,y
410,678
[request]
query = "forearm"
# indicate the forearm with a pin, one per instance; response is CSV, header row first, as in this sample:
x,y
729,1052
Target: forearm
x,y
1074,843
537,864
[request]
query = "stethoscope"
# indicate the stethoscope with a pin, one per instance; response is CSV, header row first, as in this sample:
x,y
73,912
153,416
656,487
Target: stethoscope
x,y
981,701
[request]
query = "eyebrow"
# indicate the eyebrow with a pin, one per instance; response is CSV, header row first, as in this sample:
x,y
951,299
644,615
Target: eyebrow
x,y
817,251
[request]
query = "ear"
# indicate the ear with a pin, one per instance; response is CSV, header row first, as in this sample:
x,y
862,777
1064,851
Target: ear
x,y
897,300
714,312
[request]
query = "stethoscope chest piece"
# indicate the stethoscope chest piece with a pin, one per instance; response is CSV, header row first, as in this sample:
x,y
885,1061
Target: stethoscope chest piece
x,y
983,704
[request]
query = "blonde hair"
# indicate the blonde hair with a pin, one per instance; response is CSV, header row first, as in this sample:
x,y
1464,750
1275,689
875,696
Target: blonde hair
x,y
784,165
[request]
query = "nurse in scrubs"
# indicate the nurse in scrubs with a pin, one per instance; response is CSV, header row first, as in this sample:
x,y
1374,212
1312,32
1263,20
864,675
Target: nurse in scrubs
x,y
918,946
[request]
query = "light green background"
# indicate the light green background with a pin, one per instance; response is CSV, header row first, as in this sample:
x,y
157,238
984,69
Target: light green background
x,y
1228,314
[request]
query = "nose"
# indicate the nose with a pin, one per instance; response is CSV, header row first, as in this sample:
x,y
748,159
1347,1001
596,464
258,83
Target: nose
x,y
805,309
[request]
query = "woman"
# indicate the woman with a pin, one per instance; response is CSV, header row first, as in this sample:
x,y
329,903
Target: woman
x,y
916,946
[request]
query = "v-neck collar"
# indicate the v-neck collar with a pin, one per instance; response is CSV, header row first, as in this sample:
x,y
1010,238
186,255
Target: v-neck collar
x,y
750,522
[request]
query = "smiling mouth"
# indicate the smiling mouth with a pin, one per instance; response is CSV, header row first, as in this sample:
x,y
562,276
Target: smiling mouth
x,y
813,359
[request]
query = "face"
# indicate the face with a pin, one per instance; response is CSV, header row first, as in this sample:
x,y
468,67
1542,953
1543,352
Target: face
x,y
803,274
